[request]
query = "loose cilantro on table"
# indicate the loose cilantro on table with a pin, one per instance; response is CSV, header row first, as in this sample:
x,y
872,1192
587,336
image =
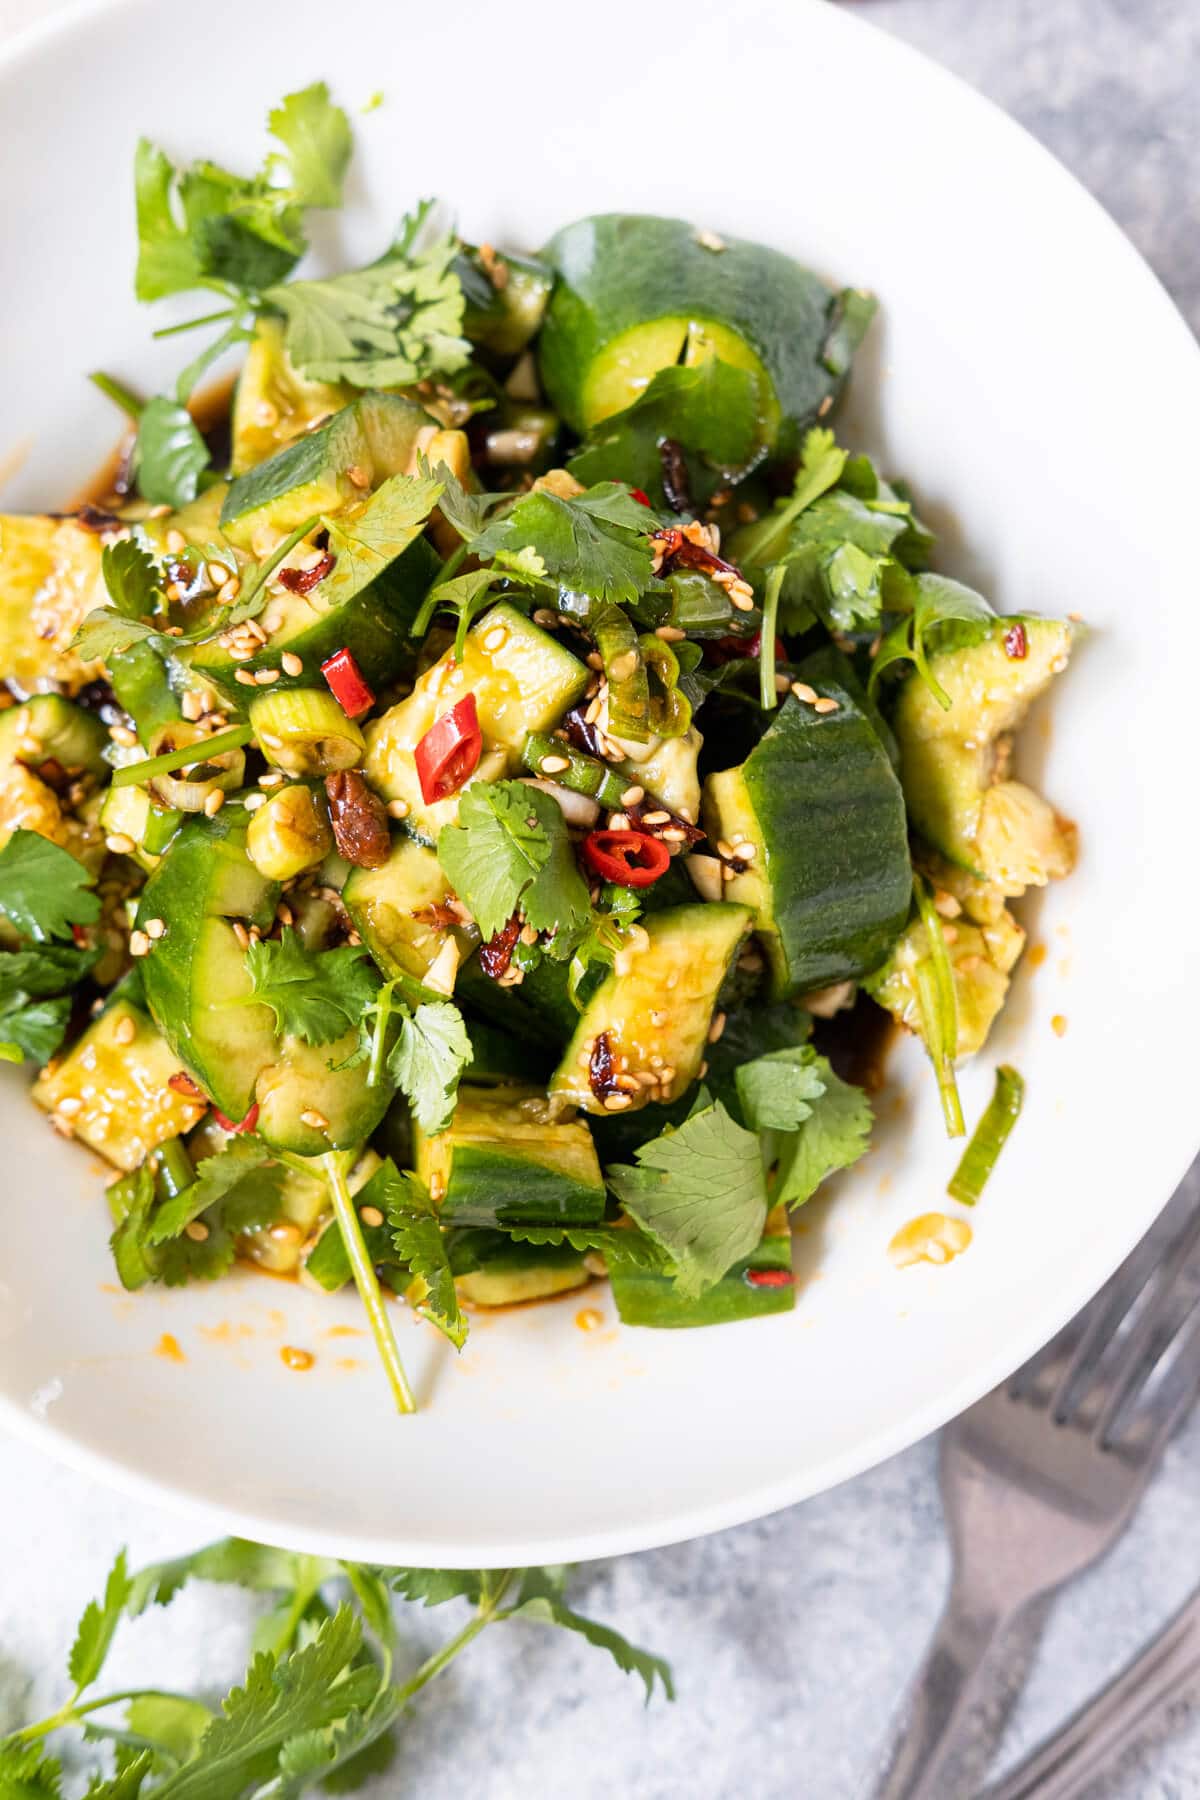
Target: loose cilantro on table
x,y
700,1193
322,1697
315,995
44,890
509,852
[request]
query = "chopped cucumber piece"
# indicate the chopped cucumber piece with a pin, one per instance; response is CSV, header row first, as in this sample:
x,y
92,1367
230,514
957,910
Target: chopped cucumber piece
x,y
750,1290
273,403
400,912
49,578
504,1161
495,1271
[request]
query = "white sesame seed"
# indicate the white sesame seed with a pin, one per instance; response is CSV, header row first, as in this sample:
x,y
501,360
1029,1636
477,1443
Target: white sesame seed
x,y
230,591
544,617
672,834
272,779
270,740
554,765
245,676
191,705
716,1028
315,1120
241,934
125,1030
495,639
371,1216
70,1105
139,944
155,928
265,677
782,684
120,845
217,574
656,818
398,809
743,601
252,802
617,1102
176,542
292,664
825,705
633,795
670,634
197,1230
618,821
803,692
214,802
121,734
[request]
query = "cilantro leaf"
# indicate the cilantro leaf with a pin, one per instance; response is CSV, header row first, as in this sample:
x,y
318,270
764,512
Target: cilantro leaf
x,y
434,1587
510,851
34,1028
130,1199
257,1567
777,1091
595,543
104,634
938,606
620,1247
364,545
44,890
699,1192
94,1633
169,455
318,143
541,1599
25,1774
236,1175
131,576
467,512
427,1061
836,554
821,465
834,1136
397,321
421,1245
316,996
709,408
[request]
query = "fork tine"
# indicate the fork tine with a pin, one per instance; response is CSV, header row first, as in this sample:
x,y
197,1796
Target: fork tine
x,y
1172,1311
1138,1288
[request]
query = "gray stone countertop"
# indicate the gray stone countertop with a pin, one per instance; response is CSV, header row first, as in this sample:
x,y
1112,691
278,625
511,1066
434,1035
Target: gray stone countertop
x,y
791,1638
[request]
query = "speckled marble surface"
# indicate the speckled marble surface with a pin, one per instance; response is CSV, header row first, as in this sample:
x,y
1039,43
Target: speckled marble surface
x,y
792,1638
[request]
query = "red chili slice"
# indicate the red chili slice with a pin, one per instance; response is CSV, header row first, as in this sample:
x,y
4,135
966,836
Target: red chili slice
x,y
1016,644
639,495
449,752
628,858
768,1278
246,1124
347,685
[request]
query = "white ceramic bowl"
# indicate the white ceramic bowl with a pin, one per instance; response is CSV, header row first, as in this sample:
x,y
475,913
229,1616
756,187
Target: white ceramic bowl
x,y
1034,382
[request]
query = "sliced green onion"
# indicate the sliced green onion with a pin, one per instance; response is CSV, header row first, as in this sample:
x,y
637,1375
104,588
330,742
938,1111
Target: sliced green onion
x,y
175,1171
989,1137
583,774
305,731
938,1001
670,711
203,749
628,683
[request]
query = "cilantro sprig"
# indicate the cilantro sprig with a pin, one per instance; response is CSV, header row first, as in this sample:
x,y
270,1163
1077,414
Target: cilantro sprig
x,y
44,890
315,995
321,1700
510,852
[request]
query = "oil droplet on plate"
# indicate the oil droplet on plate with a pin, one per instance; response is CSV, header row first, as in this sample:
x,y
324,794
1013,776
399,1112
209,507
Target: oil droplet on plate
x,y
1036,956
1058,1024
934,1237
168,1348
588,1319
296,1359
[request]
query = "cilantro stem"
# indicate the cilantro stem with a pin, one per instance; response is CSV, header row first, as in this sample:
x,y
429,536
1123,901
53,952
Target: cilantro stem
x,y
766,643
71,1710
452,563
213,318
118,393
489,1608
383,1012
938,1000
366,1282
249,603
203,750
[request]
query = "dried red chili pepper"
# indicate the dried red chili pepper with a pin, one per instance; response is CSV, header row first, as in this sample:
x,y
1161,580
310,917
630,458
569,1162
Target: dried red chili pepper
x,y
639,495
303,581
449,752
347,684
636,816
246,1124
628,858
497,953
182,1083
725,649
1016,643
359,820
768,1278
602,1075
676,481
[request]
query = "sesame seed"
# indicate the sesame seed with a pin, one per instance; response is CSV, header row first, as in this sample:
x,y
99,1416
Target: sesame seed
x,y
716,1028
529,934
214,802
191,706
946,904
292,664
670,634
745,852
1076,618
554,765
709,240
437,1186
358,476
618,821
230,591
265,677
371,1216
353,939
673,835
270,741
495,639
743,602
63,1126
176,542
593,712
950,934
252,802
702,1071
656,818
546,618
217,574
125,1030
633,795
594,660
245,676
398,809
155,928
728,873
825,405
315,1120
724,848
623,666
803,692
121,734
666,1076
241,934
70,1106
618,1102
139,944
273,779
827,704
782,684
120,845
197,1230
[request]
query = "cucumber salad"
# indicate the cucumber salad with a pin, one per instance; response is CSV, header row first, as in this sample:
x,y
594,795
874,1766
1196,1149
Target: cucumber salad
x,y
464,790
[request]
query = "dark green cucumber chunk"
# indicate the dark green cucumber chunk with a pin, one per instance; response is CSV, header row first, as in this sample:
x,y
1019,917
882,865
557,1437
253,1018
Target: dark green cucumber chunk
x,y
750,1290
505,1161
820,813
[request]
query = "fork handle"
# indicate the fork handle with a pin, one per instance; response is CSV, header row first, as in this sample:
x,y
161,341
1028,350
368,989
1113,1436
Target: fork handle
x,y
1094,1737
968,1634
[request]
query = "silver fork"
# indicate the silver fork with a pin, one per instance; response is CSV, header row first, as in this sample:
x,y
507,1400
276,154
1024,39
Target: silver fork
x,y
1042,1475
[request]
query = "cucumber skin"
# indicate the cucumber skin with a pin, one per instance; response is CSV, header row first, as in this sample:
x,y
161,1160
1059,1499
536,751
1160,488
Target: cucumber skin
x,y
834,866
496,1187
619,270
654,1300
